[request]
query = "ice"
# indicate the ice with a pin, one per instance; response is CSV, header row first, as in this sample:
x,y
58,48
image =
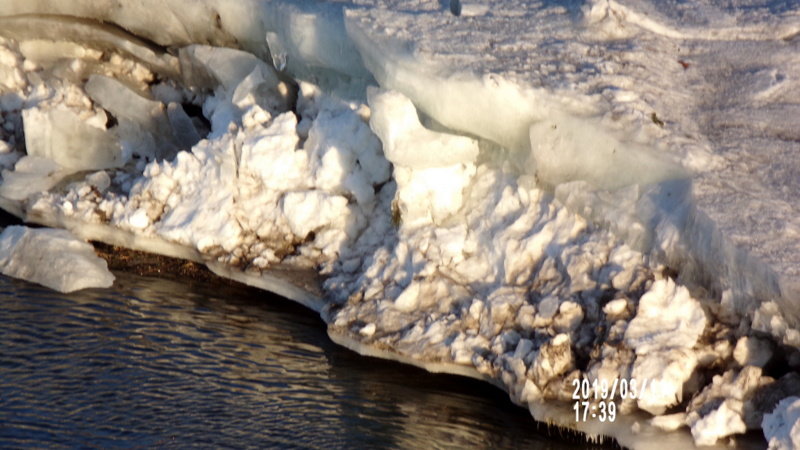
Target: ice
x,y
668,317
752,351
49,36
53,258
406,142
782,426
534,192
64,137
144,127
31,175
721,422
209,67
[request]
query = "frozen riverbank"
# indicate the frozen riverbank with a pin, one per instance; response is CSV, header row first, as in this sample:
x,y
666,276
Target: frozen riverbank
x,y
535,195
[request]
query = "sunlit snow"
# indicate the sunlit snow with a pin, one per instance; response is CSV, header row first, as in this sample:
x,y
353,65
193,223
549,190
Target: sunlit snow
x,y
527,192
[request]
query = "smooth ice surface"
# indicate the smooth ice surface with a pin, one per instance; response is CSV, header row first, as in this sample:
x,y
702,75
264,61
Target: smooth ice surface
x,y
53,258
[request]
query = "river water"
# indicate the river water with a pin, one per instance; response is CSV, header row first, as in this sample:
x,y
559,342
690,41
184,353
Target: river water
x,y
155,363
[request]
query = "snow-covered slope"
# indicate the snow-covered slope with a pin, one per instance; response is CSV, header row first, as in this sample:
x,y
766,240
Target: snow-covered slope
x,y
531,193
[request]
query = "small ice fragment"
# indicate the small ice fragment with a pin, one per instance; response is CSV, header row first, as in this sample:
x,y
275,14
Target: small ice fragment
x,y
615,308
100,180
53,258
409,299
548,307
669,422
139,219
721,422
368,330
276,50
570,315
665,372
752,351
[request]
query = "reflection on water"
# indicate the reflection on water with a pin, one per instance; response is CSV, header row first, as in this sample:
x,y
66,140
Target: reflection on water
x,y
156,363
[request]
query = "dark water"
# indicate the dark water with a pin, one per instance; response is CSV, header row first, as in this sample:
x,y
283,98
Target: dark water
x,y
154,363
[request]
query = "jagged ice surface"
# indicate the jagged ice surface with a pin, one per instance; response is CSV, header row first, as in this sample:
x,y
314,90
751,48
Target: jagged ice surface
x,y
536,192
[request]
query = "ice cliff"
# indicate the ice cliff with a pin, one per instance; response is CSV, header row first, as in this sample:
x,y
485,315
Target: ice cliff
x,y
531,193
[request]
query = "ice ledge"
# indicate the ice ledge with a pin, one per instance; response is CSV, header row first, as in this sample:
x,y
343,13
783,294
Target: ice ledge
x,y
300,286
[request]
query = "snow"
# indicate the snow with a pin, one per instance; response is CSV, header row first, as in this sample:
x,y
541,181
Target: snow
x,y
668,317
782,426
523,192
53,258
70,141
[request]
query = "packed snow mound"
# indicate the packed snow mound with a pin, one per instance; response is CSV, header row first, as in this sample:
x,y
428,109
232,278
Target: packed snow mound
x,y
53,258
535,193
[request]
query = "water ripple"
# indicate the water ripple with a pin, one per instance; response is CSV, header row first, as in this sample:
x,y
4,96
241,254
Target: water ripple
x,y
155,363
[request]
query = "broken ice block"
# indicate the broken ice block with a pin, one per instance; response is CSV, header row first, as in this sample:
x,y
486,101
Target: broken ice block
x,y
62,136
53,258
31,174
209,67
143,123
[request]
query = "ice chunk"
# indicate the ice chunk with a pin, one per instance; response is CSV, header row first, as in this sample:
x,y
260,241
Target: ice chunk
x,y
752,351
662,375
31,175
276,50
722,421
431,194
53,258
668,317
312,210
406,142
183,128
432,169
143,123
62,136
209,67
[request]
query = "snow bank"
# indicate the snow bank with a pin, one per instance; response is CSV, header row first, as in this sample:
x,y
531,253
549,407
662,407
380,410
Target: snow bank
x,y
53,258
535,193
